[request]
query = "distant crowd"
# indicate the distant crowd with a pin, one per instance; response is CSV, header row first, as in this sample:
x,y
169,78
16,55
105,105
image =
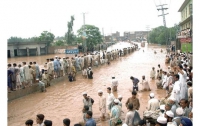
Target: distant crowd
x,y
26,74
175,109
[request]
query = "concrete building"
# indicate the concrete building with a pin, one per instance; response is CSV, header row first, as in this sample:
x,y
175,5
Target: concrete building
x,y
15,49
186,24
116,36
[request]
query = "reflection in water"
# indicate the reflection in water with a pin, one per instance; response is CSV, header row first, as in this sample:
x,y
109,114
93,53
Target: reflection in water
x,y
64,100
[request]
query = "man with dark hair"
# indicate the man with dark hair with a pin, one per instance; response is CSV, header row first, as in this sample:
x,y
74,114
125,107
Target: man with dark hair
x,y
176,88
37,70
129,115
40,119
159,83
190,90
47,123
186,110
29,122
85,110
90,121
135,101
110,98
66,122
135,83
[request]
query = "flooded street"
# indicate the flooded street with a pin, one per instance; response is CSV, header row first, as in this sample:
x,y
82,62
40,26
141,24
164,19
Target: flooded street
x,y
64,99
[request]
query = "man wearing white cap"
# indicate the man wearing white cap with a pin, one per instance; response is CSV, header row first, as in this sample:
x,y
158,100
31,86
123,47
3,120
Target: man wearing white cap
x,y
179,115
87,101
172,101
162,110
115,113
102,104
153,103
169,115
161,121
114,84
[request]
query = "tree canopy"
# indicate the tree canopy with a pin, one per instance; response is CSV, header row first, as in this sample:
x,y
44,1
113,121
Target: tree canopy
x,y
44,36
91,35
70,37
162,35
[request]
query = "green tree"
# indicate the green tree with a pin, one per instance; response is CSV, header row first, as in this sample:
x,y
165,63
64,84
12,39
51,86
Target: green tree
x,y
15,39
162,35
91,34
46,36
59,43
70,37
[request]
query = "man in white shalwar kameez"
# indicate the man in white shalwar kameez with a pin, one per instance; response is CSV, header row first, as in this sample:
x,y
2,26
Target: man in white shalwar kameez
x,y
26,73
176,89
114,84
145,84
153,73
183,77
110,98
102,104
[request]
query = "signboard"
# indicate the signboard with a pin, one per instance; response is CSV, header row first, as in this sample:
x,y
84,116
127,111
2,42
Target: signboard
x,y
182,40
71,51
173,42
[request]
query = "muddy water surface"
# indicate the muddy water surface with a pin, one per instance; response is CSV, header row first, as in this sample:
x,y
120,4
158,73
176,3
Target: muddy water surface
x,y
64,99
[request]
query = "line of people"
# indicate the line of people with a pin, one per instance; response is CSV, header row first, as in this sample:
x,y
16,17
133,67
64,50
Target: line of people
x,y
25,75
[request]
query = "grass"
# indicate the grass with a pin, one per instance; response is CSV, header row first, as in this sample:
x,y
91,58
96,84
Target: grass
x,y
186,47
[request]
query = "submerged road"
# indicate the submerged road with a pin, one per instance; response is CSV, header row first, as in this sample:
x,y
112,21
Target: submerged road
x,y
64,99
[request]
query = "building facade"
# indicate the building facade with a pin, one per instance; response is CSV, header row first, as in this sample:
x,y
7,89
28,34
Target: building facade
x,y
15,49
186,26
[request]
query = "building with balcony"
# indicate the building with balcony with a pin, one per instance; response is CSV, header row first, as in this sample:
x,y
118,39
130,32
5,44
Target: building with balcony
x,y
186,26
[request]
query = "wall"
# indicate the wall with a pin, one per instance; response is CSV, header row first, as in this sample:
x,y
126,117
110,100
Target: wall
x,y
24,47
60,49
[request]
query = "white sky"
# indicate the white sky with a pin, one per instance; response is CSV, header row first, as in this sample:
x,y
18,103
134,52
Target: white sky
x,y
28,18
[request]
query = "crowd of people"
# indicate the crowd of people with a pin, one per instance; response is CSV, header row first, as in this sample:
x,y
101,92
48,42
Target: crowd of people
x,y
25,74
173,110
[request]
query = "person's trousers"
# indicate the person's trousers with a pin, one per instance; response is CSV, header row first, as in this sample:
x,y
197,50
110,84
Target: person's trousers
x,y
135,88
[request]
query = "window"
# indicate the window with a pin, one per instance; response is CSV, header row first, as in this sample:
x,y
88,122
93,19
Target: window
x,y
190,9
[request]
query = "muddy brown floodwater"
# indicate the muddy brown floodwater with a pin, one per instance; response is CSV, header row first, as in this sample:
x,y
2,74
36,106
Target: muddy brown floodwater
x,y
64,99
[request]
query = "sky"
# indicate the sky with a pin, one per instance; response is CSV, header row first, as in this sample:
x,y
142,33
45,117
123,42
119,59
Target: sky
x,y
28,18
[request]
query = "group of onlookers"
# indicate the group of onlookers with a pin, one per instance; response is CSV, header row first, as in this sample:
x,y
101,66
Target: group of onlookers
x,y
26,74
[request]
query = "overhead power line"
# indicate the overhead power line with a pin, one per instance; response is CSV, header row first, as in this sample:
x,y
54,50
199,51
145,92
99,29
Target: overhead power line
x,y
163,14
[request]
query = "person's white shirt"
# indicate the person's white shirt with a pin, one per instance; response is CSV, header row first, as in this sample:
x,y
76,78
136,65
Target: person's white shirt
x,y
109,99
42,124
114,82
153,104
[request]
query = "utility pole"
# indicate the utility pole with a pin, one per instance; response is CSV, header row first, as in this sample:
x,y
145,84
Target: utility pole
x,y
85,45
147,28
163,14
